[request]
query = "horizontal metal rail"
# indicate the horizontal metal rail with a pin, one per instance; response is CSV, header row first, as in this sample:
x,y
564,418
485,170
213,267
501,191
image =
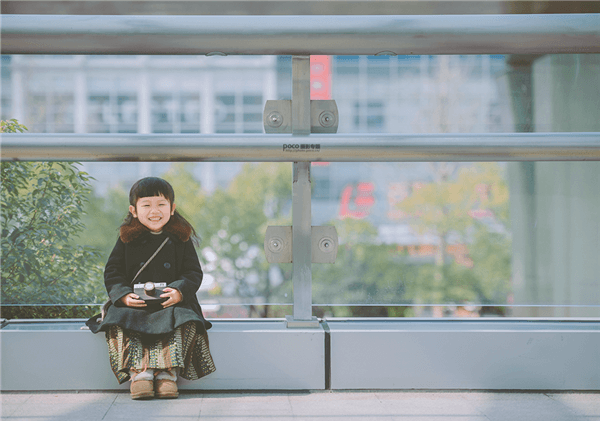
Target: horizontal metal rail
x,y
293,148
301,35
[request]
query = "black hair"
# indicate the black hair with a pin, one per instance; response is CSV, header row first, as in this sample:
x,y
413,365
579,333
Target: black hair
x,y
154,186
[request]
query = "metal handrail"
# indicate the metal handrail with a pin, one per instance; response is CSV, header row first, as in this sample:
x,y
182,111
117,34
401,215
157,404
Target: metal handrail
x,y
301,35
293,148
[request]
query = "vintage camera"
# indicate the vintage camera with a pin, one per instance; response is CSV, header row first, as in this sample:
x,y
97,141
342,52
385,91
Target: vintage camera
x,y
150,292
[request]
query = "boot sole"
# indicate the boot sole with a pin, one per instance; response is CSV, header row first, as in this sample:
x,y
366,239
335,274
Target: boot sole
x,y
143,396
167,396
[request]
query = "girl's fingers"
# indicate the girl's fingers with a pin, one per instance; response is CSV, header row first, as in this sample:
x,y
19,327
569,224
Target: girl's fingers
x,y
173,296
134,301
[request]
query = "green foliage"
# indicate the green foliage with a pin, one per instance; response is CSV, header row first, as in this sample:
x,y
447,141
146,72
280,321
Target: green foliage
x,y
102,218
12,126
42,209
232,223
491,254
442,209
365,272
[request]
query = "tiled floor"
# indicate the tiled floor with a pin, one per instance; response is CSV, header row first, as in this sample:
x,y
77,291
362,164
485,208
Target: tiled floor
x,y
316,406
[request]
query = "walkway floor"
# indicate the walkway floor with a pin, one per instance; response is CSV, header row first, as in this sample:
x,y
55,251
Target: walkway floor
x,y
315,406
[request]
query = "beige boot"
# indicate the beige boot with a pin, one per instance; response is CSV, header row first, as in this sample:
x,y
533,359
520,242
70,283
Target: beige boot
x,y
165,385
142,385
142,389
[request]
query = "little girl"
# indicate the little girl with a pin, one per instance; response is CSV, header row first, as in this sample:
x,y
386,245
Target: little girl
x,y
153,342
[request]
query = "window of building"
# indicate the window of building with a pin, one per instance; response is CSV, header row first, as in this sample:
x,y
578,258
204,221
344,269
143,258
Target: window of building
x,y
238,112
176,113
112,105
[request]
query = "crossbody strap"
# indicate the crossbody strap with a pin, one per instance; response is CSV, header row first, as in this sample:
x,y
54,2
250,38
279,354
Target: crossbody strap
x,y
150,259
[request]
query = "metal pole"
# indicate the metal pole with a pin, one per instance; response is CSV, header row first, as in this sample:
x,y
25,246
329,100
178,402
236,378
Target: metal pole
x,y
397,147
301,199
301,35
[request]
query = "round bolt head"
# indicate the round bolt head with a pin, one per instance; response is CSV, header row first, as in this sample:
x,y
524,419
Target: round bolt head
x,y
274,119
326,245
326,119
275,244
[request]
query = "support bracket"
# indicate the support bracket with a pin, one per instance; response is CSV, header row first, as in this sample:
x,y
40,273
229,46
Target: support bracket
x,y
278,244
277,116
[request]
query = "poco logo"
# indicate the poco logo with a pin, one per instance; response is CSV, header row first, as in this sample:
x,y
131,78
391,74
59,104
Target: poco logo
x,y
303,147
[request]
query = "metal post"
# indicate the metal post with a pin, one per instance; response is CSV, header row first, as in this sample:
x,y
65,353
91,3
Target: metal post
x,y
301,95
301,200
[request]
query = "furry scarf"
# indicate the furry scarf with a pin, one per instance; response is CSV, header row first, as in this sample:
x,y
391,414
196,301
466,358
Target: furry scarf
x,y
135,228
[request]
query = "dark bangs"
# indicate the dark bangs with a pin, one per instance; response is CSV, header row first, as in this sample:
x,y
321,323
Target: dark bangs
x,y
151,186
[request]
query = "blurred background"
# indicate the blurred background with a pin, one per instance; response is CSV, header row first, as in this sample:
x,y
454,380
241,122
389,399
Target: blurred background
x,y
429,239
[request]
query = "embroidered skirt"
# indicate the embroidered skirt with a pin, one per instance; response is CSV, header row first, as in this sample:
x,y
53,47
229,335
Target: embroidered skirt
x,y
184,348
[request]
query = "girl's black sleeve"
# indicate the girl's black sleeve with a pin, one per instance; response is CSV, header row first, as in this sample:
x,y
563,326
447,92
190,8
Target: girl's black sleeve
x,y
190,278
115,276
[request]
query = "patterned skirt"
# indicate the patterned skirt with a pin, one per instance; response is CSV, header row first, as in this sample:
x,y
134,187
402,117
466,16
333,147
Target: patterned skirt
x,y
184,348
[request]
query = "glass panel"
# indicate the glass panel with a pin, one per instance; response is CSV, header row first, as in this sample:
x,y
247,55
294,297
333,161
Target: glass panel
x,y
230,220
460,239
422,239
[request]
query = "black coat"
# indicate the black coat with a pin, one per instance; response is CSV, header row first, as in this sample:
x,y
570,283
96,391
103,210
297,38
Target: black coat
x,y
176,264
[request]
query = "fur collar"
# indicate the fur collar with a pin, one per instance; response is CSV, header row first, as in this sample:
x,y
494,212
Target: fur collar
x,y
135,229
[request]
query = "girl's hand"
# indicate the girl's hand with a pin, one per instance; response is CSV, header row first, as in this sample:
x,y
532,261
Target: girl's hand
x,y
174,297
133,300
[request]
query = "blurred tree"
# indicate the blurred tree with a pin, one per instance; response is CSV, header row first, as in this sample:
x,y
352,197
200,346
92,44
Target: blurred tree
x,y
102,219
365,272
472,209
42,209
233,223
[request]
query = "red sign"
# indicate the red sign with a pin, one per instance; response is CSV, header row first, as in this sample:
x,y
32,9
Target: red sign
x,y
320,83
356,203
320,77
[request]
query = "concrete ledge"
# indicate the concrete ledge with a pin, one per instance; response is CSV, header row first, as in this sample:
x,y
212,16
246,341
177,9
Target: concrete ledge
x,y
263,354
248,354
463,354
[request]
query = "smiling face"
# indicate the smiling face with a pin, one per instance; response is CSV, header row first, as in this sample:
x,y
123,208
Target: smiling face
x,y
153,212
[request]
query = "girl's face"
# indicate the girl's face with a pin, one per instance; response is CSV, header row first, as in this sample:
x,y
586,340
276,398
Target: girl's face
x,y
153,212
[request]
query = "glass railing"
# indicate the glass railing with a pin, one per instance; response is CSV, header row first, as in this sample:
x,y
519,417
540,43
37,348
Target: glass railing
x,y
416,239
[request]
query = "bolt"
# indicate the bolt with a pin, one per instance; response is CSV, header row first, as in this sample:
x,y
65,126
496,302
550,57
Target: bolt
x,y
276,245
325,244
274,119
326,119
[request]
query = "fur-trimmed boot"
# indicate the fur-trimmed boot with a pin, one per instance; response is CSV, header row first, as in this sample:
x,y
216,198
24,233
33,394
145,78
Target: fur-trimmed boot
x,y
165,386
142,384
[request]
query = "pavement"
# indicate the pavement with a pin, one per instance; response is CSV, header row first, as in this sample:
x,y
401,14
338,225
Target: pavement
x,y
308,405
